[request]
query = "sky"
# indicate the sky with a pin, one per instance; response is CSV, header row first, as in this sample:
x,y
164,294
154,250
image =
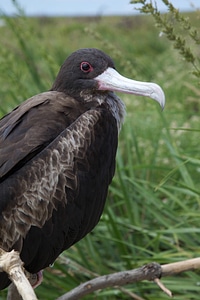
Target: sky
x,y
86,7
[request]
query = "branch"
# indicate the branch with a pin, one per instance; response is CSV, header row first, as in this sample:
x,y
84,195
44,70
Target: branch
x,y
152,272
181,266
11,263
13,293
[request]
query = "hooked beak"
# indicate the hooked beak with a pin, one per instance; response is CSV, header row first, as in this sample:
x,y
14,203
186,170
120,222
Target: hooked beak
x,y
111,80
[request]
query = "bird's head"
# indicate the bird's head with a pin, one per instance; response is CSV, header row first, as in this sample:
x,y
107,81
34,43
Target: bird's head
x,y
89,71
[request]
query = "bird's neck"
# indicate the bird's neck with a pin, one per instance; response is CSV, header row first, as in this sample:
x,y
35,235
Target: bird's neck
x,y
117,108
112,102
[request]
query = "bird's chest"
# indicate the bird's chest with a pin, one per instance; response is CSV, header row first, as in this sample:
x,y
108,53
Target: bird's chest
x,y
86,182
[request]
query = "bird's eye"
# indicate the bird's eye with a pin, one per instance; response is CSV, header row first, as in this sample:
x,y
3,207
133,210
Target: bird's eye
x,y
86,67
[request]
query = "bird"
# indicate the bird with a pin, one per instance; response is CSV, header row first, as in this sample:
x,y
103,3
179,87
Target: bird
x,y
57,158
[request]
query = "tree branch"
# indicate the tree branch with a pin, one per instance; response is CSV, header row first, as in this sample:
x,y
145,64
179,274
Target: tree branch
x,y
11,263
13,293
152,272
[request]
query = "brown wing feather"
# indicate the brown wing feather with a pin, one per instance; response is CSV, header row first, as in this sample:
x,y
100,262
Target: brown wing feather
x,y
57,197
31,127
29,196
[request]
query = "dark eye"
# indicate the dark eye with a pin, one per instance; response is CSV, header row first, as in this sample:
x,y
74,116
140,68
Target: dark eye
x,y
86,67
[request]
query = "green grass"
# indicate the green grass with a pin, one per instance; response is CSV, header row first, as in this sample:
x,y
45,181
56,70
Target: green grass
x,y
152,211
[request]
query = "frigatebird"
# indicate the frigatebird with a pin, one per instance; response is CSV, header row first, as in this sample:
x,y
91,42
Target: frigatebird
x,y
57,158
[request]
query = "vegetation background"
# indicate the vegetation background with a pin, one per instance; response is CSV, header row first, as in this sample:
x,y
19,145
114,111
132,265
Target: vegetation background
x,y
152,211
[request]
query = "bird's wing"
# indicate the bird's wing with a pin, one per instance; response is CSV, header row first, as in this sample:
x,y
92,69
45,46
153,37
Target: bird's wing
x,y
28,129
30,195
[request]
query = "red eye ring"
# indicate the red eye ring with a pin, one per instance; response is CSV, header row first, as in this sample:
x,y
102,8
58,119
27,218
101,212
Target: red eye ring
x,y
86,67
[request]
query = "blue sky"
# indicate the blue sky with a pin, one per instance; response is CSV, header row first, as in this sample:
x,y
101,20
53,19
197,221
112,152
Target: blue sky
x,y
86,7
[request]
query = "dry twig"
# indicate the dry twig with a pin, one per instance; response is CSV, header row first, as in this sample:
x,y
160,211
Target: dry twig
x,y
11,263
152,272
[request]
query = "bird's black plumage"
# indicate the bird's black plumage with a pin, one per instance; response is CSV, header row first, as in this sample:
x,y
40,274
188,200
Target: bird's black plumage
x,y
57,159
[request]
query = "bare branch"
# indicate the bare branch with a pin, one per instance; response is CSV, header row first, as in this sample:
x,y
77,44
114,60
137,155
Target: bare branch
x,y
162,287
148,272
152,272
11,263
13,293
181,266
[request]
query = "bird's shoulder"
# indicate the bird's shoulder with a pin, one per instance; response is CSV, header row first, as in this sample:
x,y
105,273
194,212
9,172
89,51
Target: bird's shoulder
x,y
31,126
